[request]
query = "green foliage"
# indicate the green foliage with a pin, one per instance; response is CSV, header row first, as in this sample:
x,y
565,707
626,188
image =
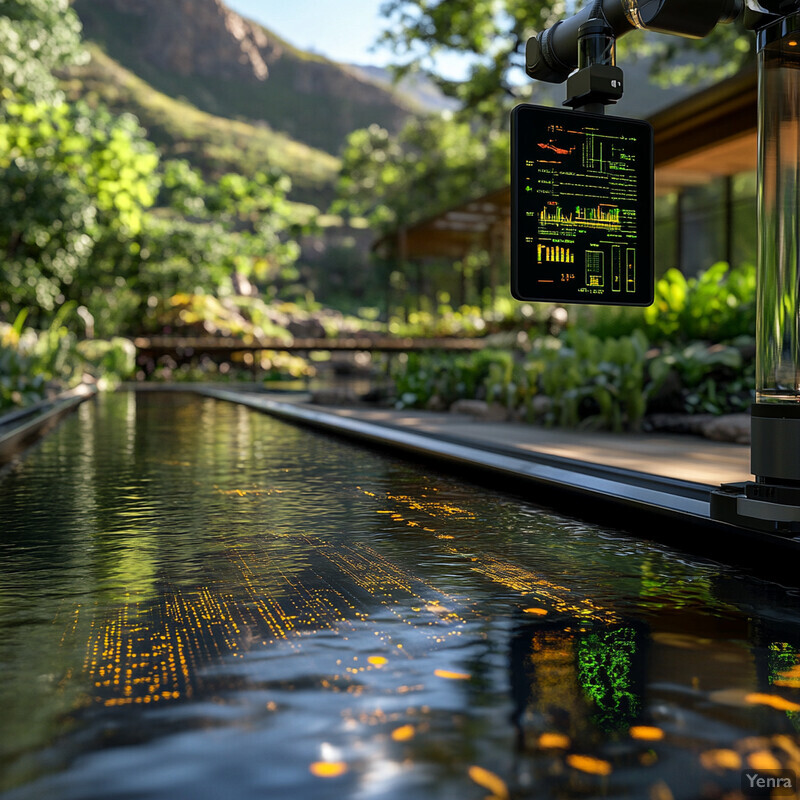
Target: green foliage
x,y
70,177
213,144
432,163
717,306
714,379
242,317
78,185
271,366
110,360
492,35
36,37
504,315
34,363
19,384
586,381
581,380
447,377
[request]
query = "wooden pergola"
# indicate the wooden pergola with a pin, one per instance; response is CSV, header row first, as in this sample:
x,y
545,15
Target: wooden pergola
x,y
710,134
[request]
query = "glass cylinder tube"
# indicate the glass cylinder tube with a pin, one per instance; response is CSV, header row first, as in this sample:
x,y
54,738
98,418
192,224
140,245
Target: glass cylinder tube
x,y
778,287
596,44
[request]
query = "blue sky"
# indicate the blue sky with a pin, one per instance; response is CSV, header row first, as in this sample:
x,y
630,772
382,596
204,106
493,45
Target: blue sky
x,y
343,30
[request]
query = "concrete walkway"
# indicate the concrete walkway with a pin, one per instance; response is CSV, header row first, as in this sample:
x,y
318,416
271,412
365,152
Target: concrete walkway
x,y
688,458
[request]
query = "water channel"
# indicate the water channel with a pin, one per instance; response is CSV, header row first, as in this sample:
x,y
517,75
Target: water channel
x,y
200,601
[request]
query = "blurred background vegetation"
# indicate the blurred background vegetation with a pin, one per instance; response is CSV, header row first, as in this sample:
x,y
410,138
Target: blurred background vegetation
x,y
174,169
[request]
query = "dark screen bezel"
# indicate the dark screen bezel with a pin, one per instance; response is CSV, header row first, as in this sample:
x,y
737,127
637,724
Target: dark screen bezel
x,y
646,186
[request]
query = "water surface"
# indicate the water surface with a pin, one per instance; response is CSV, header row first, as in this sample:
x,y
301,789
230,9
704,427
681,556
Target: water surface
x,y
201,601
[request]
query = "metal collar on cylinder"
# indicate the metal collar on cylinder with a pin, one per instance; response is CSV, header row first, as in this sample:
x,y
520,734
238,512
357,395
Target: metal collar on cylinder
x,y
777,31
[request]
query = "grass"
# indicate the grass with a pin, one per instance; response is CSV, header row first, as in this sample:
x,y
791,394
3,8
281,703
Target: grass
x,y
214,144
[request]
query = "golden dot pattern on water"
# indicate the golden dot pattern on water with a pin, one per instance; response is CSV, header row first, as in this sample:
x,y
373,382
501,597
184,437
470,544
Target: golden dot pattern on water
x,y
290,585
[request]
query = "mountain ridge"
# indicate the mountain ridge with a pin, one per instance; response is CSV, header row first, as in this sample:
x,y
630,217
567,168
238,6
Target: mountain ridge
x,y
229,66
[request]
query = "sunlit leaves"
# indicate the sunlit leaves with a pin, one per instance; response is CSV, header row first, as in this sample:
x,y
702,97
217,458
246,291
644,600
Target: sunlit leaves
x,y
36,37
490,36
431,164
70,177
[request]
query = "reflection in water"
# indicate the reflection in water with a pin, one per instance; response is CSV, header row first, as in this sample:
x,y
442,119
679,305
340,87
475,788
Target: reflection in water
x,y
199,601
575,678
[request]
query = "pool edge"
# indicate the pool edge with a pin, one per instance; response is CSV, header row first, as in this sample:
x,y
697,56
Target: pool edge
x,y
37,420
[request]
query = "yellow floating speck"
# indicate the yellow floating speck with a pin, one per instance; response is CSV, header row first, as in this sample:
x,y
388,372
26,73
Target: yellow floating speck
x,y
554,741
721,759
489,781
453,676
773,700
403,733
763,759
328,769
646,733
377,661
538,612
590,764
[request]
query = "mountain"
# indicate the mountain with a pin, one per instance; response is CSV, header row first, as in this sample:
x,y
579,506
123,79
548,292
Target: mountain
x,y
203,52
425,93
215,145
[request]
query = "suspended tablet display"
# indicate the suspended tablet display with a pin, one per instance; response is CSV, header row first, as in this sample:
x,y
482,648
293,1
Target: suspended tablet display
x,y
581,208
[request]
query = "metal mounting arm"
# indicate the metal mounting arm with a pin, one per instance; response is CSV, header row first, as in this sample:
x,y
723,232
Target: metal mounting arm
x,y
553,54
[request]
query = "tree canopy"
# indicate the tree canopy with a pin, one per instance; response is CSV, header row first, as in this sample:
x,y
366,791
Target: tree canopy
x,y
433,162
491,36
36,38
92,214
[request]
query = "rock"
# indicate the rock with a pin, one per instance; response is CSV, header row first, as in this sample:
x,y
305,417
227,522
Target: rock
x,y
201,37
309,328
728,428
334,397
540,405
435,404
491,412
677,423
517,414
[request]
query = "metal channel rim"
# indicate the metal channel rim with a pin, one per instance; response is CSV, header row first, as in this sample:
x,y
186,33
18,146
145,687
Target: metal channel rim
x,y
590,485
36,419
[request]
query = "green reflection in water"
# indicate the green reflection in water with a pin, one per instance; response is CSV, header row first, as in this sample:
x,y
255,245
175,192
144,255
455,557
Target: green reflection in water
x,y
605,673
783,664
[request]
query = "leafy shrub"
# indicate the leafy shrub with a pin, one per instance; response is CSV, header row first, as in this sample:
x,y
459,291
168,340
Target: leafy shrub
x,y
35,363
587,381
439,379
714,379
717,306
505,314
110,361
